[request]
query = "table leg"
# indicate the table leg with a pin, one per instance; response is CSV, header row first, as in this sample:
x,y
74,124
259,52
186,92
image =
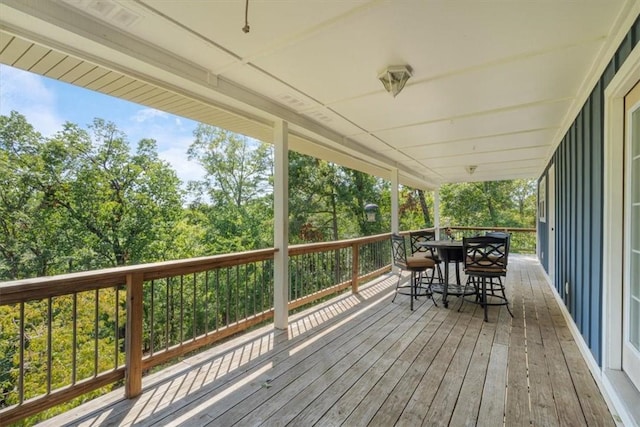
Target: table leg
x,y
445,285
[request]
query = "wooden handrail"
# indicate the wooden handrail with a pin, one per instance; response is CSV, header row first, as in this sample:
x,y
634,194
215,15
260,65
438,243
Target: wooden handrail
x,y
506,229
307,248
43,287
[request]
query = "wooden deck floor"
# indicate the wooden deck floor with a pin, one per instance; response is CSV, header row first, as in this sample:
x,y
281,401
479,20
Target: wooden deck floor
x,y
362,360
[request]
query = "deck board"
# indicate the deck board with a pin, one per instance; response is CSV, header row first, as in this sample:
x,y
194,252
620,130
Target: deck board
x,y
363,360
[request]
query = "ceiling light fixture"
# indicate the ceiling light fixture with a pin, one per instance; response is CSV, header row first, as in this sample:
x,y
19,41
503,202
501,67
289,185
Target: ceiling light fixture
x,y
394,78
246,27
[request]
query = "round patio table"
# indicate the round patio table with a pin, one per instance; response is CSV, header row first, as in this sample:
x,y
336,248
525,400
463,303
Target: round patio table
x,y
449,251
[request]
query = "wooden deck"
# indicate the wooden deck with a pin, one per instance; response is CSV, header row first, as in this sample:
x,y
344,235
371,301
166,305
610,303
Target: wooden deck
x,y
362,360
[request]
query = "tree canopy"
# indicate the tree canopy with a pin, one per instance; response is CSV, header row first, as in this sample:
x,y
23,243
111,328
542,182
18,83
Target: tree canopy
x,y
84,199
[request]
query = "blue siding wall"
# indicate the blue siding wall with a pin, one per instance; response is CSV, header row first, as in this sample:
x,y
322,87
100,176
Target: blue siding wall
x,y
578,163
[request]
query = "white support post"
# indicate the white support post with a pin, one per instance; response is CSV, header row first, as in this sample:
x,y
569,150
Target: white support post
x,y
395,222
395,182
281,225
436,212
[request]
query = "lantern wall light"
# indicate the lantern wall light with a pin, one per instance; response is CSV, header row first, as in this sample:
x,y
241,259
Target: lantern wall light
x,y
370,209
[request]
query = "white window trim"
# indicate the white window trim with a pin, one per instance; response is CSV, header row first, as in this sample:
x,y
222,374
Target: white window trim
x,y
612,271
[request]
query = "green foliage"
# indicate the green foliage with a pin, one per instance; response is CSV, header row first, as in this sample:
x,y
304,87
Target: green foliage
x,y
326,201
234,200
81,200
489,204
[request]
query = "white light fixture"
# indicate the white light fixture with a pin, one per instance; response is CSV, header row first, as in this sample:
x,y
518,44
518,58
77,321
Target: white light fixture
x,y
471,169
394,78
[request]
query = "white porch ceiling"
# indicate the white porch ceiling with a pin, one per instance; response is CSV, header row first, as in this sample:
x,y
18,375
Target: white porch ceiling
x,y
495,83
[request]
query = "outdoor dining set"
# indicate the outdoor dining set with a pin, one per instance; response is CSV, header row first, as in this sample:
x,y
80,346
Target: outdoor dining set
x,y
484,259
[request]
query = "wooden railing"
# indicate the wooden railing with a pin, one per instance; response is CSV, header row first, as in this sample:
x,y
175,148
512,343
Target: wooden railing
x,y
72,335
523,240
67,338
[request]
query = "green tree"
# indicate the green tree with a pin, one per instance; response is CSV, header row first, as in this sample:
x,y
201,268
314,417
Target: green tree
x,y
123,205
489,203
326,201
33,235
81,200
235,196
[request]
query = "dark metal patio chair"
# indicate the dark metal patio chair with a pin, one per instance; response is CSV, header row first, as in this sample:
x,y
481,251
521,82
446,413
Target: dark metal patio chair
x,y
417,265
417,237
486,258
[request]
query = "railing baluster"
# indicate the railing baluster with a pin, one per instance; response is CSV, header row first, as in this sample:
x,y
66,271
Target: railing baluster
x,y
237,296
217,298
246,290
116,340
229,294
255,289
181,308
22,347
49,342
74,351
261,280
166,316
206,302
152,325
96,332
193,306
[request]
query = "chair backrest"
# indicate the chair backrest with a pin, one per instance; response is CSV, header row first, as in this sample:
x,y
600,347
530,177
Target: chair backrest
x,y
416,237
486,254
500,234
399,251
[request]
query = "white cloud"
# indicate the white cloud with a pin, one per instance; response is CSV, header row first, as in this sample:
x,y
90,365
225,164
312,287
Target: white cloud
x,y
26,93
173,144
187,170
147,114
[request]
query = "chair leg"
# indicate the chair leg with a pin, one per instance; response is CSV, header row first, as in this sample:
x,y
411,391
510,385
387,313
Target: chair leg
x,y
430,290
435,270
397,285
484,299
413,287
464,291
505,299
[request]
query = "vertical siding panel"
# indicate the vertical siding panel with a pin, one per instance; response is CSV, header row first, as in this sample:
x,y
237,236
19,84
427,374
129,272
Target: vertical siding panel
x,y
581,285
597,158
556,161
559,224
565,219
572,221
575,293
624,50
608,74
587,229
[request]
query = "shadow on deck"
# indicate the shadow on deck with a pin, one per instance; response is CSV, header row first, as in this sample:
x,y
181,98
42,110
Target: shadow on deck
x,y
362,360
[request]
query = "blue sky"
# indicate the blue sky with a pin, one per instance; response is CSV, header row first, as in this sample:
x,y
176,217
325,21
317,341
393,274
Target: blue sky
x,y
48,103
